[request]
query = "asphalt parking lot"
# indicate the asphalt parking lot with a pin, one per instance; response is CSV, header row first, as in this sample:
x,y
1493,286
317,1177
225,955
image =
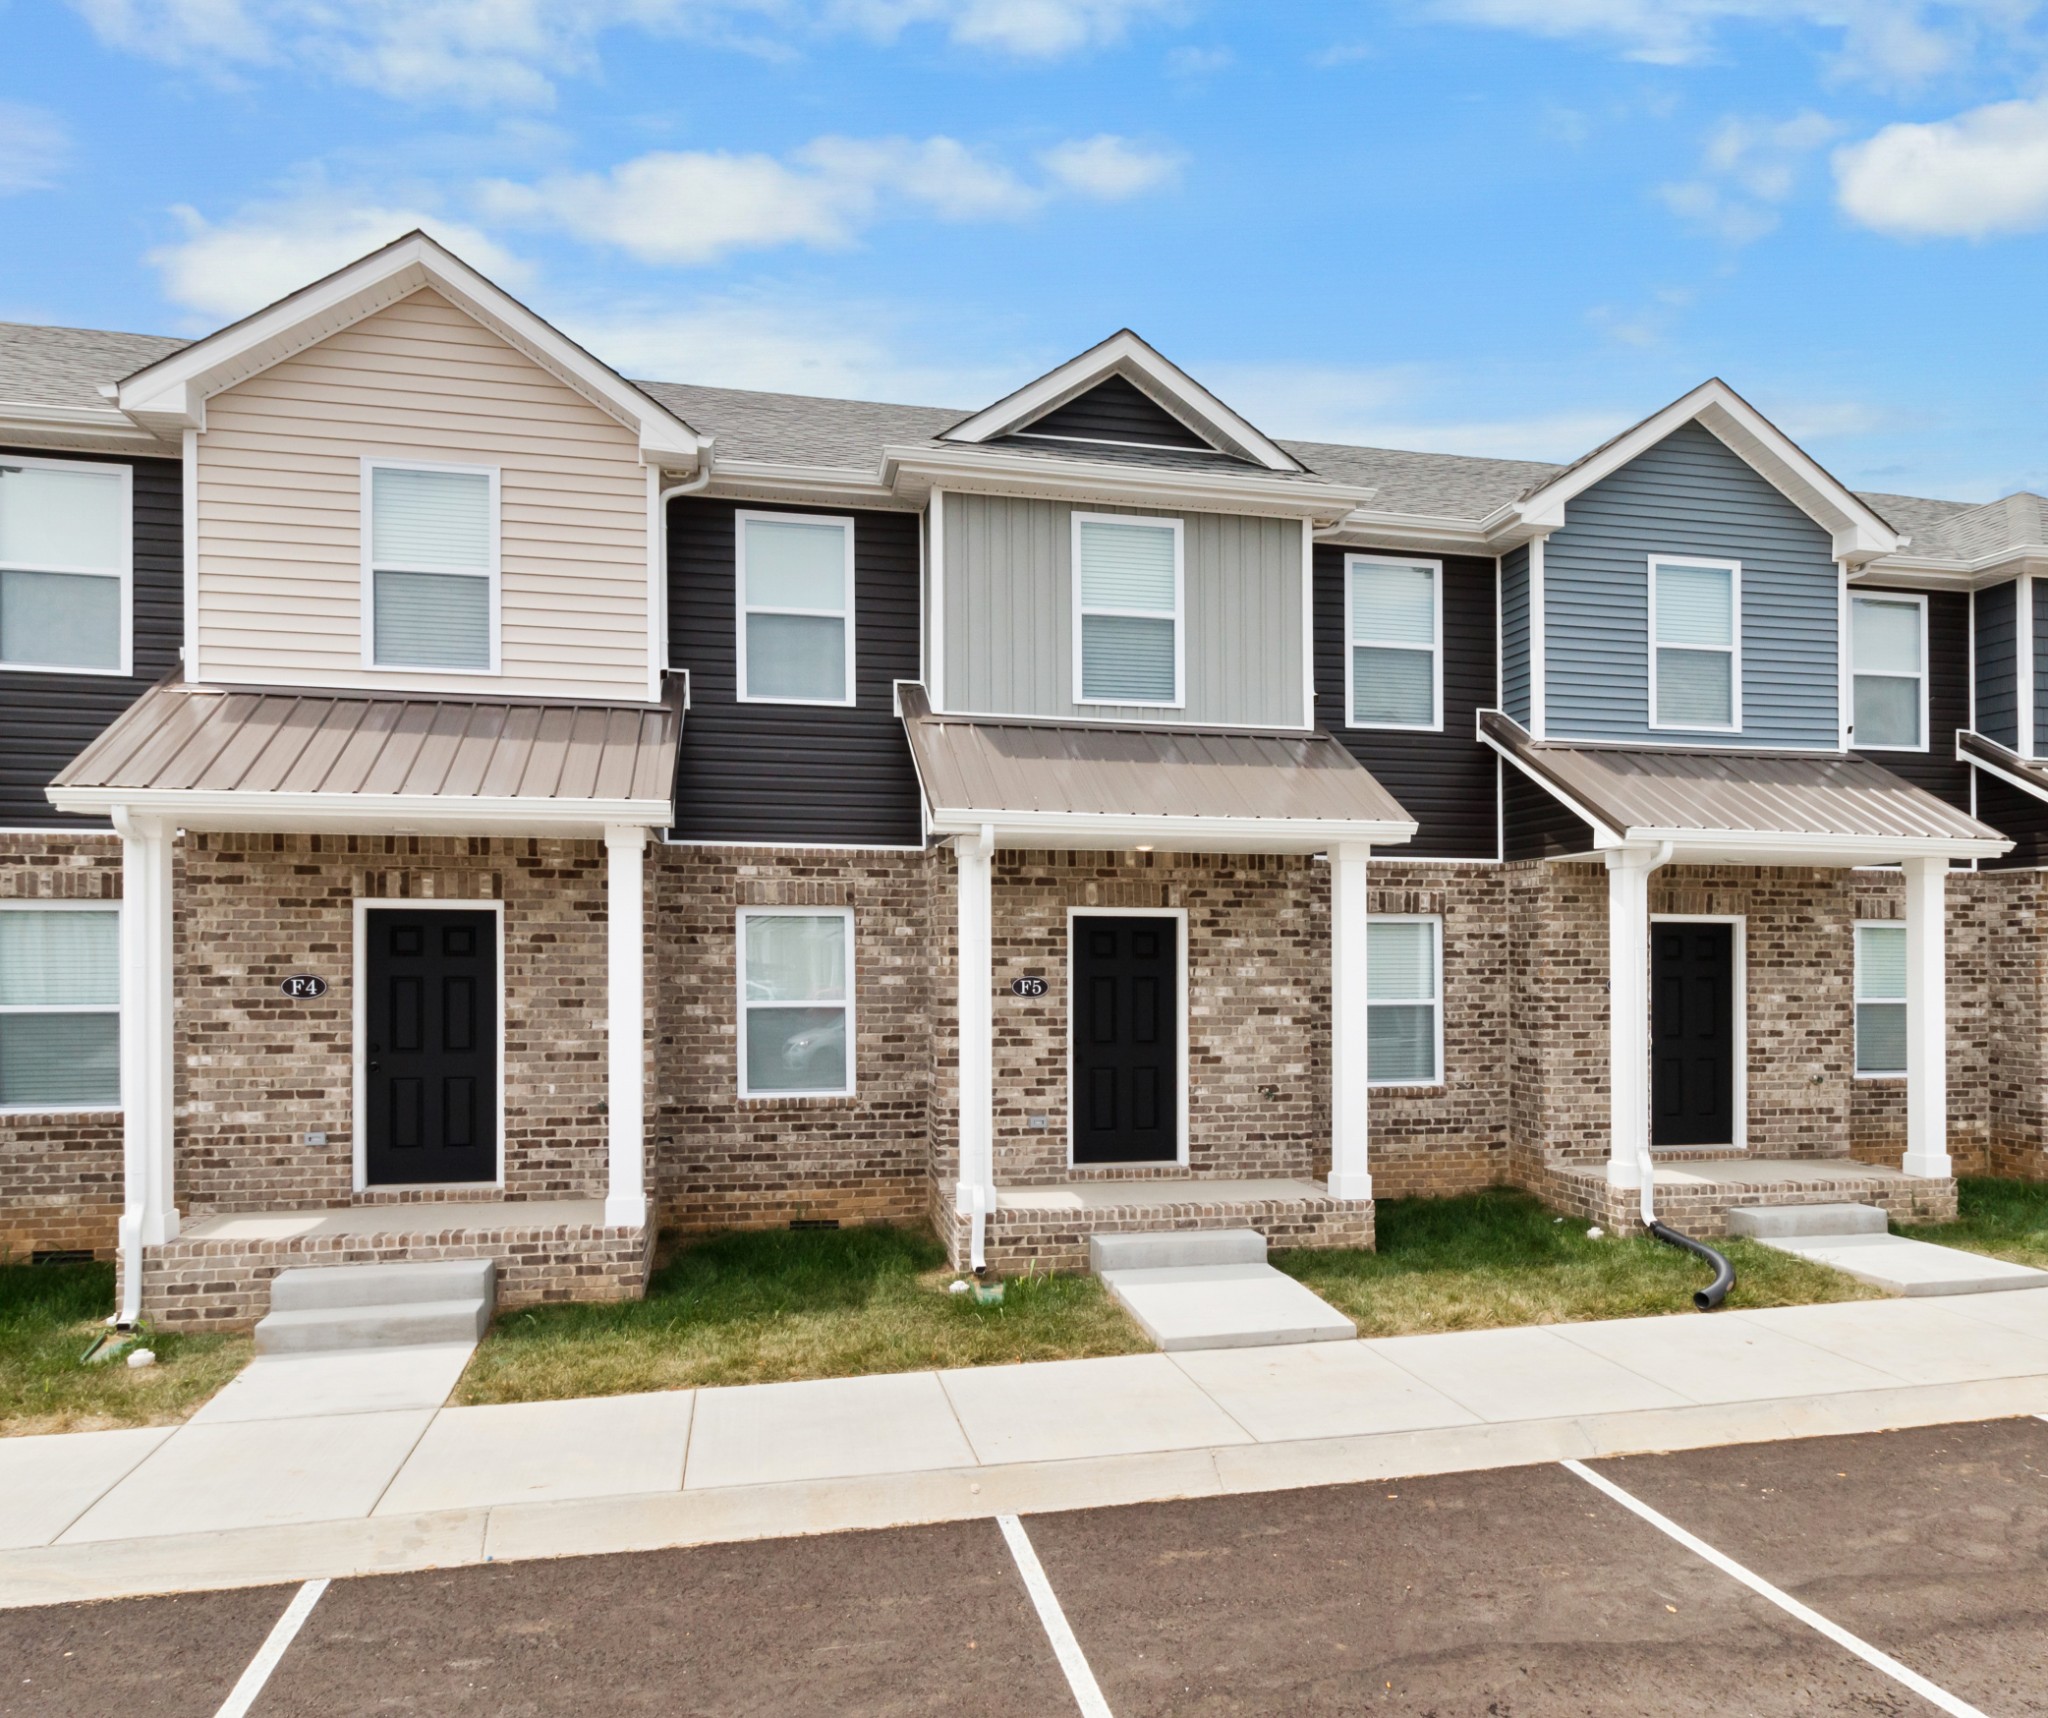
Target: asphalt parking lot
x,y
1921,1558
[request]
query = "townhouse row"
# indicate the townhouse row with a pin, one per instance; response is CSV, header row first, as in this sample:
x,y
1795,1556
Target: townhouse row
x,y
456,801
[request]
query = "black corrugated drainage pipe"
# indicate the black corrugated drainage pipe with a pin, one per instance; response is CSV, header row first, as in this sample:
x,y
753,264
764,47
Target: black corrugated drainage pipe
x,y
1716,1291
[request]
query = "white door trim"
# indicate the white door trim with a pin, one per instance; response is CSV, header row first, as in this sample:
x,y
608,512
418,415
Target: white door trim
x,y
1180,915
1738,1009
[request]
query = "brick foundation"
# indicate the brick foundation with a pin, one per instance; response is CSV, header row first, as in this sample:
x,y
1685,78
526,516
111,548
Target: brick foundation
x,y
1017,1242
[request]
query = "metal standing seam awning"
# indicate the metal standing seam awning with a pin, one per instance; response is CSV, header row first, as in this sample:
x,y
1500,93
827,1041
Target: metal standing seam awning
x,y
296,759
1743,806
1108,786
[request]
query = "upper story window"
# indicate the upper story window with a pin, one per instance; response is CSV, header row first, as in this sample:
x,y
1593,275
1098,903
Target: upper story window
x,y
1695,656
796,1002
1888,657
1128,579
1393,671
795,574
431,547
60,1006
64,566
1404,1023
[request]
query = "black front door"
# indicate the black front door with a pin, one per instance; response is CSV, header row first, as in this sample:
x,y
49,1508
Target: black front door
x,y
430,1047
1692,1034
1126,1085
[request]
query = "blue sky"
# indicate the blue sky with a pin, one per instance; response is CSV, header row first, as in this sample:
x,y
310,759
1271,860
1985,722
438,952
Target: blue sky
x,y
1486,226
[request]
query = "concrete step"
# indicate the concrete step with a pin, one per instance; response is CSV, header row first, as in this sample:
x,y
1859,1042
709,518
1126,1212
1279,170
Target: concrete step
x,y
1162,1249
310,1287
1906,1267
1768,1222
407,1325
1225,1306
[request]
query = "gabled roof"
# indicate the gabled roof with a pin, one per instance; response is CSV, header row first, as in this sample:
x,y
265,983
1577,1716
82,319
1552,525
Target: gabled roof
x,y
1162,381
1859,531
170,394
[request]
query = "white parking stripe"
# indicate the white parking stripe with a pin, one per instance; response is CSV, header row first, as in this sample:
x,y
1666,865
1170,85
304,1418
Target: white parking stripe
x,y
1783,1600
1065,1647
283,1632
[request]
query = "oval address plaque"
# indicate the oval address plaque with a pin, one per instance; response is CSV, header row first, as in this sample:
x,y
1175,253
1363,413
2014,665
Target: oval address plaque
x,y
1031,984
304,987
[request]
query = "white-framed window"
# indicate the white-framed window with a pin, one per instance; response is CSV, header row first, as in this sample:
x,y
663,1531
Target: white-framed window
x,y
60,1006
796,1002
1393,655
1880,998
1404,1015
66,566
795,606
1695,643
1888,662
430,566
1129,582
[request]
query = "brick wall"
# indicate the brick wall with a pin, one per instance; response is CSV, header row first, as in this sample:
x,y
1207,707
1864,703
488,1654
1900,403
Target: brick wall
x,y
2014,915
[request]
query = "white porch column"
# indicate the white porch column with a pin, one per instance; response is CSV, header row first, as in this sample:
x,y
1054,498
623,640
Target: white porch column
x,y
1926,1018
625,850
1350,1172
1628,1012
975,856
149,1211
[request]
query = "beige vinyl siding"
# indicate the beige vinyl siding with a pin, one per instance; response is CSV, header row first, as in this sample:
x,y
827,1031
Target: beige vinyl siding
x,y
280,523
1009,614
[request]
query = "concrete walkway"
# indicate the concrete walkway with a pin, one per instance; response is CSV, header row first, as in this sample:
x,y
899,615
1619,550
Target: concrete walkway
x,y
270,1483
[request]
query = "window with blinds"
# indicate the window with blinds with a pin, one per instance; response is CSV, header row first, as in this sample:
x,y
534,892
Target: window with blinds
x,y
60,1007
64,565
1394,628
432,534
795,608
1887,655
1404,1001
1127,610
1880,999
796,1003
1695,661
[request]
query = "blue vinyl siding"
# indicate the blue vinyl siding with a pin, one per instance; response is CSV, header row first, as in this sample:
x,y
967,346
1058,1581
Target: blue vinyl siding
x,y
1690,495
1514,634
1998,715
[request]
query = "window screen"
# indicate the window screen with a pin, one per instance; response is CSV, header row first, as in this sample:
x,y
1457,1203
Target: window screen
x,y
431,566
796,1003
63,557
1393,645
1127,580
60,1008
796,609
1887,652
1402,1001
1695,645
1880,999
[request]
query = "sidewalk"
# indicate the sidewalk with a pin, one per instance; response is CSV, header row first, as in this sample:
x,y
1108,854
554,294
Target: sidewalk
x,y
269,1482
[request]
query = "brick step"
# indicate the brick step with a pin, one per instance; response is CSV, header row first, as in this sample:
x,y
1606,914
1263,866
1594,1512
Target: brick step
x,y
405,1325
309,1287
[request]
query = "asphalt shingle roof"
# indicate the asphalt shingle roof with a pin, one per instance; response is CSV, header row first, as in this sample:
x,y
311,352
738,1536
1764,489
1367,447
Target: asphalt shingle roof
x,y
66,366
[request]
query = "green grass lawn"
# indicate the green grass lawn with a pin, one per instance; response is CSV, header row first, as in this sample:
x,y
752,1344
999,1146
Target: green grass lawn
x,y
753,1307
49,1315
1502,1257
2007,1219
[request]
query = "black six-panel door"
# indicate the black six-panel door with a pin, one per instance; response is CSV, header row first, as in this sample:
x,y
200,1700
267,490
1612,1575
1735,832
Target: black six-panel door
x,y
1692,1034
1126,1076
431,1046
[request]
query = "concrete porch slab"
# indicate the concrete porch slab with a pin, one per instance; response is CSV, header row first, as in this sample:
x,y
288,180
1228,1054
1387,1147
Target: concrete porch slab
x,y
1225,1306
415,1217
1893,1263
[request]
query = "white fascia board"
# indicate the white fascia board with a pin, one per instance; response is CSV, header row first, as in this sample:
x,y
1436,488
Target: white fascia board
x,y
1096,832
173,391
1791,847
911,473
1975,574
1859,534
30,423
365,813
1153,374
773,480
1364,528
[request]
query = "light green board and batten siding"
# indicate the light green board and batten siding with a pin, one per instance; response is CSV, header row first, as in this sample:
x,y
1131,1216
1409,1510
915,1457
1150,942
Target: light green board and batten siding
x,y
1008,611
1690,495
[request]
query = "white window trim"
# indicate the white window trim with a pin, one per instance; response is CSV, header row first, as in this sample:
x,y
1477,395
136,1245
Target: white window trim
x,y
125,572
1857,1000
1352,644
494,573
1180,1058
1738,1015
746,1006
113,907
741,609
1436,923
1733,647
1916,599
1180,602
365,905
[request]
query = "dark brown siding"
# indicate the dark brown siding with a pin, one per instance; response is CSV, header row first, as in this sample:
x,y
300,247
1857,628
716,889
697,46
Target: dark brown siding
x,y
1538,827
1948,704
46,720
1444,781
772,773
2013,812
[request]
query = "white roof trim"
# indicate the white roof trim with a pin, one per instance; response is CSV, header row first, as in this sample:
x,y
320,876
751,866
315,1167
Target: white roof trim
x,y
364,813
1859,533
1095,832
170,395
1166,383
912,472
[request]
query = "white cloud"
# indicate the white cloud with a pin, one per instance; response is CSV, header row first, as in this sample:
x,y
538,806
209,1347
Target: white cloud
x,y
1981,173
1110,168
34,147
228,269
1024,29
1749,166
1192,65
